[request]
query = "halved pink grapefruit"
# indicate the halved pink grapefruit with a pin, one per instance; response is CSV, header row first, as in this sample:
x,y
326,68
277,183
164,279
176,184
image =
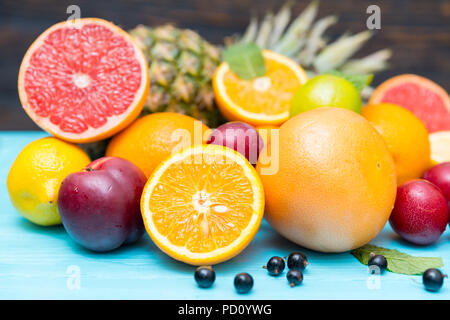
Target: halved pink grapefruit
x,y
423,97
83,80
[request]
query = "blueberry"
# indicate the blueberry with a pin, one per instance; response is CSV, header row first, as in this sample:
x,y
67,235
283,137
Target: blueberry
x,y
294,277
297,261
275,266
243,282
433,279
204,276
377,263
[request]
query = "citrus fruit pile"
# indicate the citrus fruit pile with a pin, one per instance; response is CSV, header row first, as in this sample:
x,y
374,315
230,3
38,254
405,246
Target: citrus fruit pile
x,y
325,170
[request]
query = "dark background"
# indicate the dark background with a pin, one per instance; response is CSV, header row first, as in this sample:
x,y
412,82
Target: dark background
x,y
418,31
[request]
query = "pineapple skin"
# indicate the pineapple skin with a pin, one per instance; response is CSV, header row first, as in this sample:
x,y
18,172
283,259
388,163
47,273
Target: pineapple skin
x,y
181,65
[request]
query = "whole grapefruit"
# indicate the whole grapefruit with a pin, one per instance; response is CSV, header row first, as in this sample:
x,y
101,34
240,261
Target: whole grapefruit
x,y
335,185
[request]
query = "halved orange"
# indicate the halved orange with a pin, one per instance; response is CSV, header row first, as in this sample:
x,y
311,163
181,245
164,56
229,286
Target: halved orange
x,y
83,80
203,205
261,101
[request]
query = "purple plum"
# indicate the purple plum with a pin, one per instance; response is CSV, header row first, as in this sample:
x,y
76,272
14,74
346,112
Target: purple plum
x,y
100,206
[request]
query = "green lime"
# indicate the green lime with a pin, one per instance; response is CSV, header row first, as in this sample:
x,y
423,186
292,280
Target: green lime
x,y
326,91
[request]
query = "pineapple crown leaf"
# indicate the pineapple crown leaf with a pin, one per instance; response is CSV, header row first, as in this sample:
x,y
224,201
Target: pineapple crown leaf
x,y
372,63
280,22
298,28
338,52
316,40
305,41
360,81
251,31
265,30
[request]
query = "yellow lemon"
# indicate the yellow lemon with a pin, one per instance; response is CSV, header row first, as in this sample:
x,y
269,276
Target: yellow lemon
x,y
35,177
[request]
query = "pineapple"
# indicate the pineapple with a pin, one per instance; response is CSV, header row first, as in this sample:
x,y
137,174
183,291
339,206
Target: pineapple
x,y
182,63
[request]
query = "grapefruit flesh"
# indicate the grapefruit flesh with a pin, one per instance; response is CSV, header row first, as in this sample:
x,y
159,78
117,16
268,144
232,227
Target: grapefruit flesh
x,y
426,99
83,81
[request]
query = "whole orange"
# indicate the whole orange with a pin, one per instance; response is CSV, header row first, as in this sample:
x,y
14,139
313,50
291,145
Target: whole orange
x,y
335,185
151,139
406,137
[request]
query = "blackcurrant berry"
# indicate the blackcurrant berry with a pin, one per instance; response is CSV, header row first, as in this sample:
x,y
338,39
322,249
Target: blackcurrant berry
x,y
294,277
275,266
377,263
204,276
433,279
243,282
297,261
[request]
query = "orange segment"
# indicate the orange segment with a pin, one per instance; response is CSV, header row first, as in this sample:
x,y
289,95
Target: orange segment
x,y
203,205
261,101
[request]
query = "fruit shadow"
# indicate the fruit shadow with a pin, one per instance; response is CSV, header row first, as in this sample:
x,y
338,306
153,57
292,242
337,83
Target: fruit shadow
x,y
268,243
163,259
56,231
59,233
392,236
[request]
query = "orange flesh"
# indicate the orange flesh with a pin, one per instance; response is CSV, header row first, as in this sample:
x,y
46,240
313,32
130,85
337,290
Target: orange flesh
x,y
272,99
202,207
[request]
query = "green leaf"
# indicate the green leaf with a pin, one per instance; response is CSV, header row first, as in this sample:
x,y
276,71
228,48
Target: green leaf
x,y
398,262
245,60
360,81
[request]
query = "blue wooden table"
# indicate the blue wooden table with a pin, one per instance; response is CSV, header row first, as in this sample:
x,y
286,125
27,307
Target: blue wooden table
x,y
44,263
